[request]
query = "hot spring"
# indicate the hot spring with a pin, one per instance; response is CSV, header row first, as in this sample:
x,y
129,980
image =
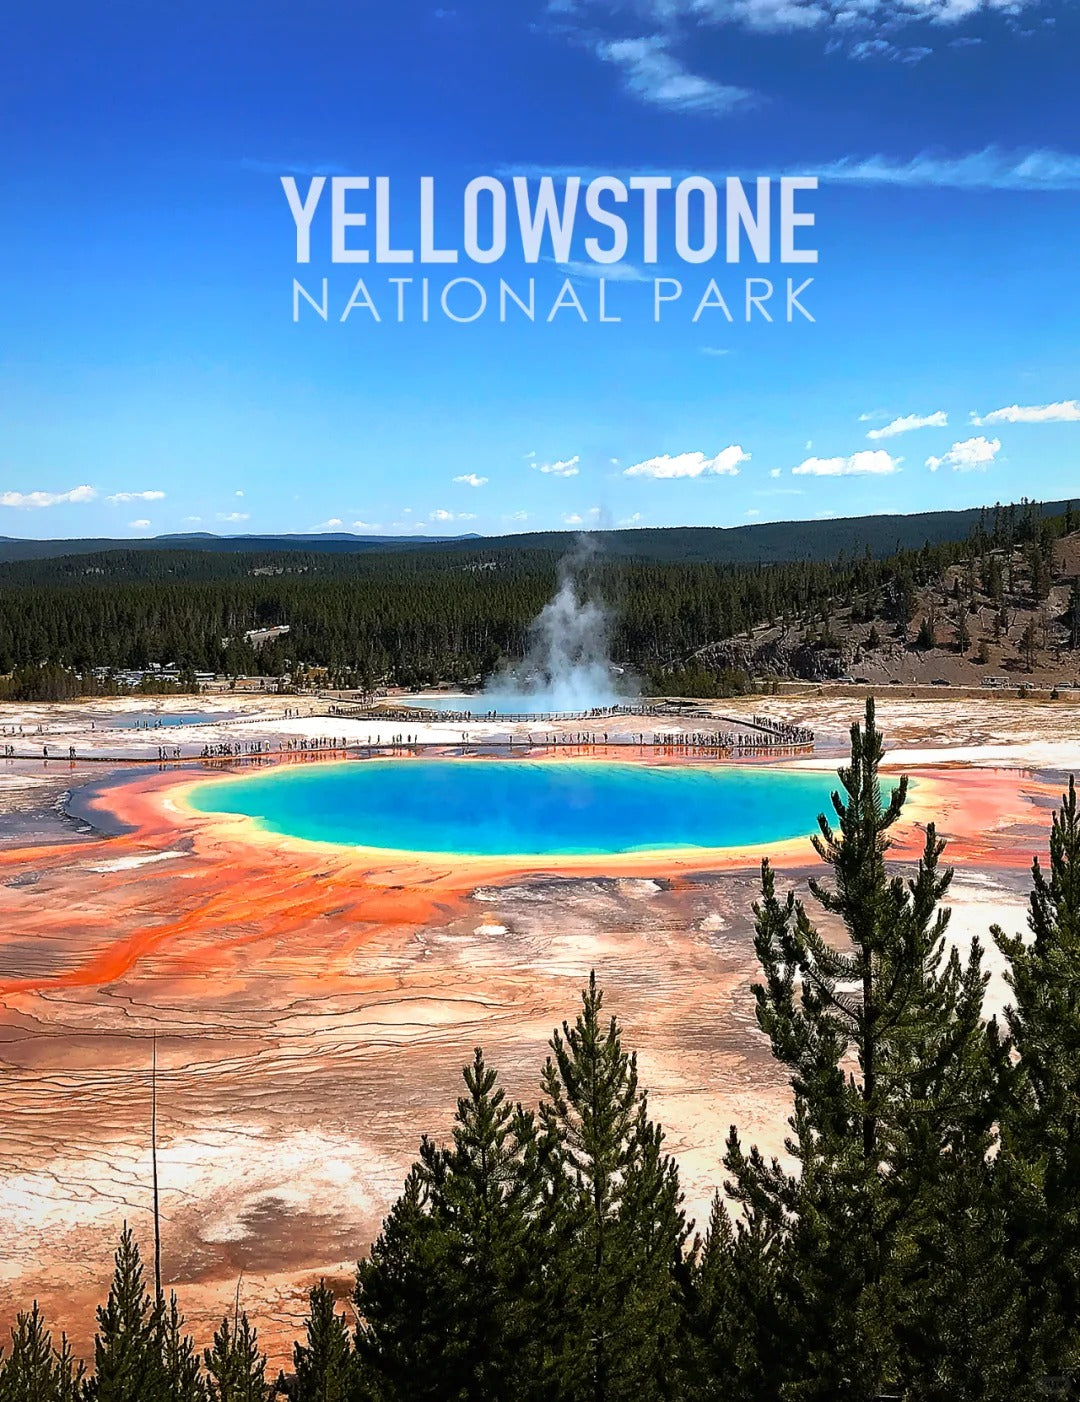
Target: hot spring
x,y
503,808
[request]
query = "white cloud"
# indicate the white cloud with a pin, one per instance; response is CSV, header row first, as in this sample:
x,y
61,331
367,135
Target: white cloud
x,y
470,479
239,494
775,471
871,25
334,524
908,422
442,515
885,48
567,468
138,525
517,516
573,520
875,462
1066,411
119,497
193,520
715,350
970,455
989,169
753,511
724,464
633,520
365,527
654,75
32,501
529,456
611,272
233,517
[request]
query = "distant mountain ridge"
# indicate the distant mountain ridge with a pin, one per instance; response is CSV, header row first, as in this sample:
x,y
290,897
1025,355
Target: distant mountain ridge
x,y
763,542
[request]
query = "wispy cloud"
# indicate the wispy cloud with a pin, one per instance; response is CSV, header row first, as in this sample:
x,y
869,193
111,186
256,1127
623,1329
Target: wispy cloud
x,y
991,168
1066,411
138,525
470,479
33,501
568,467
908,422
233,518
442,515
613,272
119,498
871,462
715,350
652,73
872,24
289,165
972,455
666,466
881,48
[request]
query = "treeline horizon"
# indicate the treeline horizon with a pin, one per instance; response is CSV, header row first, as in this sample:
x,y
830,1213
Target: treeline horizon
x,y
751,543
925,1246
417,619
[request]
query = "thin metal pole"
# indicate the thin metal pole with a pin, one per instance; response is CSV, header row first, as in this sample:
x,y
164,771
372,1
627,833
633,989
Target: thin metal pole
x,y
153,1160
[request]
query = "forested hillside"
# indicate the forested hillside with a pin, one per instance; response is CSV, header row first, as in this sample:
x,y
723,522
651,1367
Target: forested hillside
x,y
765,542
412,617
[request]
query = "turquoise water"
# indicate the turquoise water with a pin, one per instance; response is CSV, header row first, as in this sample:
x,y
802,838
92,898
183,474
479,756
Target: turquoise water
x,y
516,807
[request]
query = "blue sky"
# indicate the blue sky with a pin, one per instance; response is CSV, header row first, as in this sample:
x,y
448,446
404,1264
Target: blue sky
x,y
152,378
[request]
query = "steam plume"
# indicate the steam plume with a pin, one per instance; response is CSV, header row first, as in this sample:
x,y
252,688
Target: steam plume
x,y
567,666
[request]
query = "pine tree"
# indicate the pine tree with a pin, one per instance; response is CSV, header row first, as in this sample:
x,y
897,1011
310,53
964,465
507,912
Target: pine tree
x,y
615,1306
324,1365
236,1370
730,1315
1041,1133
36,1372
959,1322
180,1358
127,1353
448,1299
403,1313
873,1145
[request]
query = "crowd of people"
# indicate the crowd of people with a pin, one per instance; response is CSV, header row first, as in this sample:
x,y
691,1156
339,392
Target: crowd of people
x,y
762,734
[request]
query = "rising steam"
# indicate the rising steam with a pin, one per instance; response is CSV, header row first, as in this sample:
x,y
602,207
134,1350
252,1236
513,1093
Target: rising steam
x,y
567,666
